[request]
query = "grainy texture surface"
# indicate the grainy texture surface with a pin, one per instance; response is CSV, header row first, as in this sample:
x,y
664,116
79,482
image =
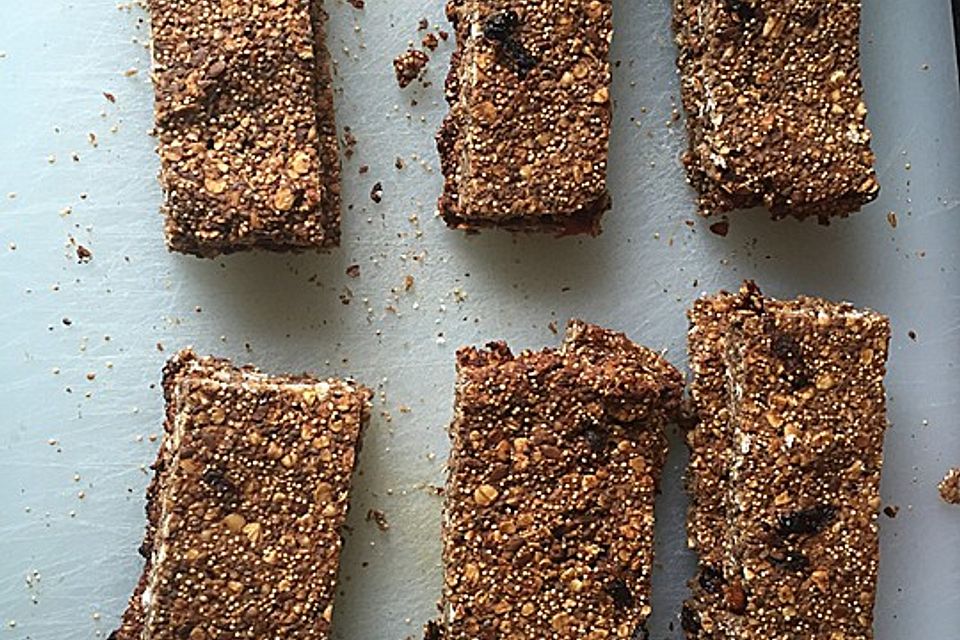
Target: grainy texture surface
x,y
556,456
286,313
775,107
250,491
244,119
786,467
525,143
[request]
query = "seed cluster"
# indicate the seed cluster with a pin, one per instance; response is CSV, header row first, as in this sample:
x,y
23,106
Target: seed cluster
x,y
775,108
785,467
245,124
525,143
244,512
548,520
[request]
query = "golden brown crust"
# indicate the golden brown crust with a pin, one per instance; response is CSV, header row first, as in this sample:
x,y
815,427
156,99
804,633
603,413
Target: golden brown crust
x,y
525,144
251,489
774,102
791,545
245,125
548,520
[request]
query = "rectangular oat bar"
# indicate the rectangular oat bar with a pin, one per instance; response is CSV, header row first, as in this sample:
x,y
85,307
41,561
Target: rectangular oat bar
x,y
801,454
775,108
524,146
245,124
548,517
250,491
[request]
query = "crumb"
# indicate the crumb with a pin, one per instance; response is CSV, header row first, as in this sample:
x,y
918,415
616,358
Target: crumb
x,y
430,41
950,487
109,96
891,510
376,193
408,282
363,169
892,219
398,163
349,142
912,335
720,228
409,66
356,4
84,255
443,35
353,271
423,24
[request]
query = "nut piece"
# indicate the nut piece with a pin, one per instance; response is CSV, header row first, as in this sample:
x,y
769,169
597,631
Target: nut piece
x,y
485,494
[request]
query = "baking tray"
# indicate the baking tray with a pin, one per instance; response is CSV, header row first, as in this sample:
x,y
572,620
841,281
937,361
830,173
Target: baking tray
x,y
69,563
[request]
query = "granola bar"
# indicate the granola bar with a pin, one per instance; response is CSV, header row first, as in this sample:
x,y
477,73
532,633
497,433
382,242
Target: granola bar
x,y
548,518
245,125
244,512
524,146
800,442
775,108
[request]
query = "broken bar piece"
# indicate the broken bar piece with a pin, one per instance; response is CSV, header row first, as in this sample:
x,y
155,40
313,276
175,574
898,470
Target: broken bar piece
x,y
775,108
251,488
245,124
785,467
524,146
549,505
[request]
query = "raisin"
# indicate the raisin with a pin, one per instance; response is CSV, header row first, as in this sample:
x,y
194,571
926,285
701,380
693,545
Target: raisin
x,y
711,579
432,631
787,349
791,561
522,59
690,620
807,522
620,592
743,9
500,26
736,598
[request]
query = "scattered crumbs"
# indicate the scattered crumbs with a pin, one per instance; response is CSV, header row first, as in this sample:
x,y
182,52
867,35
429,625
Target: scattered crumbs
x,y
720,228
443,35
423,24
398,163
430,41
552,325
892,219
110,97
129,73
160,346
353,271
84,255
376,193
349,142
891,510
950,487
91,375
408,282
379,518
356,4
409,66
66,321
912,335
363,169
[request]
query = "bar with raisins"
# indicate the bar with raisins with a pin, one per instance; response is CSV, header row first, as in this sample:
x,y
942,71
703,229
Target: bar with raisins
x,y
549,505
245,125
524,146
791,549
775,108
250,491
